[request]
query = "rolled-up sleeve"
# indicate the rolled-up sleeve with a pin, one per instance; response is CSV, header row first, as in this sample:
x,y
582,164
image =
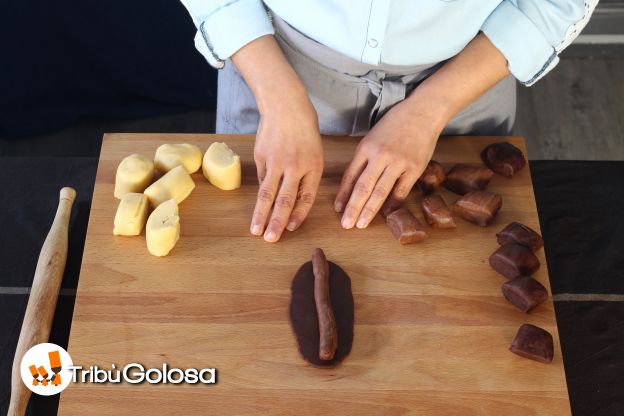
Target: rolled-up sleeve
x,y
532,33
225,26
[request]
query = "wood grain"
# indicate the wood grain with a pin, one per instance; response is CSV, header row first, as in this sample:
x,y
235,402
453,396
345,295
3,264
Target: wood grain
x,y
432,330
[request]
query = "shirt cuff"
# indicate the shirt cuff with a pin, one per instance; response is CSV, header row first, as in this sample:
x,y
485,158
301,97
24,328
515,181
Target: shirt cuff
x,y
529,55
235,24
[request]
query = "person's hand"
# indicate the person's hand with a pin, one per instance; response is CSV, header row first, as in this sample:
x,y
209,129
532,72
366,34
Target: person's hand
x,y
395,152
387,163
288,149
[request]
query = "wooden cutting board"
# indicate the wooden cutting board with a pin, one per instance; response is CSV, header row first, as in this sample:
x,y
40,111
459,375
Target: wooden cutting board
x,y
432,330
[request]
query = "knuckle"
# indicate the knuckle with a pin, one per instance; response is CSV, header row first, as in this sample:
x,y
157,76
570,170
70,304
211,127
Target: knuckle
x,y
401,190
382,153
348,178
284,201
265,195
380,192
413,167
306,197
401,165
297,215
368,212
362,188
259,215
363,146
276,223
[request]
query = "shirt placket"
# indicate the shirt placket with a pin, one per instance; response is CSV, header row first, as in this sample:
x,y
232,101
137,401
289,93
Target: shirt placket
x,y
375,31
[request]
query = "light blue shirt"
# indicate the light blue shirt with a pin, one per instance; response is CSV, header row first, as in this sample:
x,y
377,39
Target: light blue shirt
x,y
529,33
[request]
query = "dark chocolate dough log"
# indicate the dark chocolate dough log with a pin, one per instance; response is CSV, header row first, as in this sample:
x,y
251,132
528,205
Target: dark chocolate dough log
x,y
463,178
478,207
503,158
405,227
534,343
303,315
513,260
520,234
432,177
524,292
437,213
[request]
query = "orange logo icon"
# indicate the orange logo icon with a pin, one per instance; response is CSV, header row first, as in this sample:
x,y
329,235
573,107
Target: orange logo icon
x,y
45,369
55,366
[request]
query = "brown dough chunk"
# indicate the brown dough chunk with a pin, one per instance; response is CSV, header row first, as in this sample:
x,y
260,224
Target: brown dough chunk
x,y
513,260
437,213
478,207
524,292
432,177
534,343
463,178
304,319
405,227
520,234
503,158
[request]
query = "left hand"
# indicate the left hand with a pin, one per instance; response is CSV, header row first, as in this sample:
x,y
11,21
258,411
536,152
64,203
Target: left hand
x,y
387,162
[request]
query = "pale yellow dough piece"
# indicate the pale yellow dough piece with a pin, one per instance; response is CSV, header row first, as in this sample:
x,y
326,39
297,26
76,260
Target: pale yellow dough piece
x,y
162,231
176,184
134,174
222,167
131,214
168,156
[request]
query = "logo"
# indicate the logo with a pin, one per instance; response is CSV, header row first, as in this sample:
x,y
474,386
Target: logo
x,y
45,369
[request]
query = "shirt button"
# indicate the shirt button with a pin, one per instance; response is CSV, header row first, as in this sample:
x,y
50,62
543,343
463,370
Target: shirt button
x,y
372,43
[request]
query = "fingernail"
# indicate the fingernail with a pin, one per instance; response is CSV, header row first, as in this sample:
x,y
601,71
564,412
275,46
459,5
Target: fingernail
x,y
347,223
292,226
256,229
270,237
361,223
338,207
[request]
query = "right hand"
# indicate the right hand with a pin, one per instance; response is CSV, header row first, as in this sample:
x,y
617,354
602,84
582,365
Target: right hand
x,y
288,149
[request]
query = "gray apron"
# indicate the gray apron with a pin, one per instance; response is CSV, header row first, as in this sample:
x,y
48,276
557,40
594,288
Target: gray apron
x,y
350,96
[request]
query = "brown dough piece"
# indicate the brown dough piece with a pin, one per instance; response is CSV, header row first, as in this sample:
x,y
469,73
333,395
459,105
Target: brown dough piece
x,y
524,292
437,213
519,233
463,178
503,158
405,227
432,177
513,260
478,207
304,319
534,343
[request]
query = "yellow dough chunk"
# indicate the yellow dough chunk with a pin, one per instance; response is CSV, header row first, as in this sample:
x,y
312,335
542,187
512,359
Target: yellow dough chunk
x,y
163,228
176,184
222,167
168,156
134,174
131,214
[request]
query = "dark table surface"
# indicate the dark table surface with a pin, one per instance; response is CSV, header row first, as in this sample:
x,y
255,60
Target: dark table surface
x,y
579,205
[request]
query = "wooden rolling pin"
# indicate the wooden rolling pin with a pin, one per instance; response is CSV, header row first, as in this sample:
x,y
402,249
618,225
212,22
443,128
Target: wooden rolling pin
x,y
43,295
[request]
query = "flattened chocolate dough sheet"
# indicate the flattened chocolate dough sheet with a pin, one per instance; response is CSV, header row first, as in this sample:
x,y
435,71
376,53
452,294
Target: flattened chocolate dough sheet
x,y
304,319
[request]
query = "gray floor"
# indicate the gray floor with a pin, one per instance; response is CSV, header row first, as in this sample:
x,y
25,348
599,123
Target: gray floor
x,y
575,113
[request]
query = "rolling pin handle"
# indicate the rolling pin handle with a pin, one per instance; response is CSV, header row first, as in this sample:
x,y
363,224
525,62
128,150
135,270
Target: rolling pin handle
x,y
68,194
